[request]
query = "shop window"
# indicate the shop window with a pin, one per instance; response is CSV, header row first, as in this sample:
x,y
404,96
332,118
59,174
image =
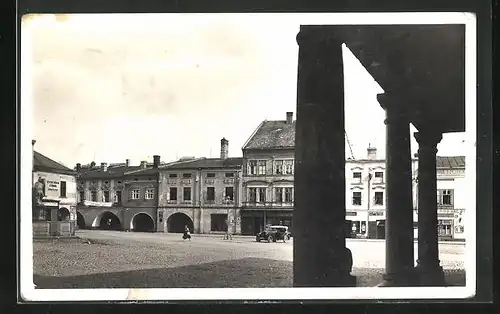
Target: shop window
x,y
218,222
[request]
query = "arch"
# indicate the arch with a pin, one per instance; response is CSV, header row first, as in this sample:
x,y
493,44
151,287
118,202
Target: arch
x,y
80,221
177,222
107,221
142,222
63,214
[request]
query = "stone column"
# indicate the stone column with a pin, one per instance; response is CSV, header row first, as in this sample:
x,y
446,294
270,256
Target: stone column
x,y
320,256
428,269
399,244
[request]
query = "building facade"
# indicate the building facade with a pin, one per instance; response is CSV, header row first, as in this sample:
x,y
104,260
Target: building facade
x,y
267,181
203,194
54,197
118,196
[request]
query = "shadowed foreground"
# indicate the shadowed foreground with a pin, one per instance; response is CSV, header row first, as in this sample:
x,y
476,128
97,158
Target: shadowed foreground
x,y
240,273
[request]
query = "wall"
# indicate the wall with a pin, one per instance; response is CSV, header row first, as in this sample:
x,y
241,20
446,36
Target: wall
x,y
52,189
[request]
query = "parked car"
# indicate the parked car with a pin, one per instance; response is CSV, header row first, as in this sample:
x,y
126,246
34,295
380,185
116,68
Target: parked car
x,y
273,234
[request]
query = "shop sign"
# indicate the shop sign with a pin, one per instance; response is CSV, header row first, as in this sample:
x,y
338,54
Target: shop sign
x,y
373,213
351,213
53,185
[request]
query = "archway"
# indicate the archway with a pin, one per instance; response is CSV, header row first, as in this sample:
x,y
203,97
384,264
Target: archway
x,y
63,214
109,221
176,223
80,221
142,223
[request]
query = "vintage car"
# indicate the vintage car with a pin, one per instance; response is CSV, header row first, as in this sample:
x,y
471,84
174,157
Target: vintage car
x,y
273,234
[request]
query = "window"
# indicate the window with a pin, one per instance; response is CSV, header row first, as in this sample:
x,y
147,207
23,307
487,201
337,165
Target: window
x,y
261,167
288,195
172,175
63,189
229,193
379,198
288,167
135,194
278,167
356,198
149,194
379,175
211,175
252,195
262,195
278,192
229,174
356,176
187,194
173,194
106,196
445,197
93,196
252,167
118,197
186,175
82,196
210,193
218,222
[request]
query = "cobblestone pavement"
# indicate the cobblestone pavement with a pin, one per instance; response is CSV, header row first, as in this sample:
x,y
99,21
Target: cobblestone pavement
x,y
114,252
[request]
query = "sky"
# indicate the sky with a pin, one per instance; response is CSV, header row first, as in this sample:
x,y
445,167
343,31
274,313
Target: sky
x,y
105,88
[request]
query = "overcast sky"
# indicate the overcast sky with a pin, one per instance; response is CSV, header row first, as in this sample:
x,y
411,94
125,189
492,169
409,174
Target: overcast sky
x,y
111,87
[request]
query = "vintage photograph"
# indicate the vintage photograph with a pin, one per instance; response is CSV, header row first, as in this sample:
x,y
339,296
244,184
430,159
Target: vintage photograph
x,y
171,152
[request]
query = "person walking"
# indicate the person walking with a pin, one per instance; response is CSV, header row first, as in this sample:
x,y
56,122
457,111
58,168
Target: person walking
x,y
187,234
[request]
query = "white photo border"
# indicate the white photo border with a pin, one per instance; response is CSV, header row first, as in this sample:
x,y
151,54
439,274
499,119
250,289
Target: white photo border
x,y
27,288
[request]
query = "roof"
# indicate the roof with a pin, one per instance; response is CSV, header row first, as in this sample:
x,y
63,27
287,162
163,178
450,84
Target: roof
x,y
450,162
43,163
272,135
111,172
206,163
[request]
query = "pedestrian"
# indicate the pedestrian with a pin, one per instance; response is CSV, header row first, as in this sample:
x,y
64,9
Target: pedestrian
x,y
186,235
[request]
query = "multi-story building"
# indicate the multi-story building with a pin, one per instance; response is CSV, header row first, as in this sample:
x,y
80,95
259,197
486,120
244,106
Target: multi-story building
x,y
118,196
201,193
268,165
57,199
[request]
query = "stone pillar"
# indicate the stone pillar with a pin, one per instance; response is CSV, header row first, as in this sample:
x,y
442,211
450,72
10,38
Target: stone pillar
x,y
399,243
428,269
320,256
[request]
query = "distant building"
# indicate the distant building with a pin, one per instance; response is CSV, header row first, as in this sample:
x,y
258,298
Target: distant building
x,y
57,197
201,193
268,165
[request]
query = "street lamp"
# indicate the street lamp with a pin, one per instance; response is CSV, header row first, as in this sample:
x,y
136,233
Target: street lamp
x,y
228,235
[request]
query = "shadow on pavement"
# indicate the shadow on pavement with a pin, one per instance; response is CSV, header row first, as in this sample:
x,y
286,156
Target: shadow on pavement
x,y
241,273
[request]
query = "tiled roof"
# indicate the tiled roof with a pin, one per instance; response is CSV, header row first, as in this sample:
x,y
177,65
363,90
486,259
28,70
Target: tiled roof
x,y
43,163
450,162
272,134
111,172
206,163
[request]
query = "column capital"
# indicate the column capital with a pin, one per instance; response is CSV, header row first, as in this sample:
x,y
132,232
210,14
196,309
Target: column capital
x,y
314,37
428,138
395,110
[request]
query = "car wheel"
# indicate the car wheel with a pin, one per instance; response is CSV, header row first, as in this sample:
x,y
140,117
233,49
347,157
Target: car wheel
x,y
257,239
284,239
269,239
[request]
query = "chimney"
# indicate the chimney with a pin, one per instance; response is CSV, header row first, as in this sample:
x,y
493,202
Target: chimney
x,y
104,166
127,162
289,117
33,142
371,152
224,148
156,161
78,167
92,164
144,164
